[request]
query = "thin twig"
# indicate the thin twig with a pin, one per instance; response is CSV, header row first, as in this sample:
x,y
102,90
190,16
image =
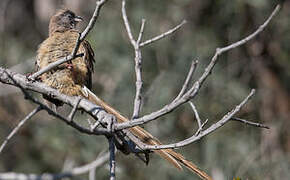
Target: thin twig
x,y
141,31
127,25
94,18
163,34
250,123
19,125
187,80
76,48
74,110
196,114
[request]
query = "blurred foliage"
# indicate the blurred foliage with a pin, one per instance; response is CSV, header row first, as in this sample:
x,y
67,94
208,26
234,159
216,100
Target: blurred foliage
x,y
236,150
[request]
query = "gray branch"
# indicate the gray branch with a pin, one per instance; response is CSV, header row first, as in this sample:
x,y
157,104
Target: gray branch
x,y
112,150
209,130
20,81
138,60
163,35
249,123
187,80
196,114
19,125
193,91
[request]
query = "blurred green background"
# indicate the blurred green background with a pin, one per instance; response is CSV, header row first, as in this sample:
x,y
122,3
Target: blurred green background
x,y
45,144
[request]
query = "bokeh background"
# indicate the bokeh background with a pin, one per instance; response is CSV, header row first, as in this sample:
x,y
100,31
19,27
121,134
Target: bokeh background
x,y
46,144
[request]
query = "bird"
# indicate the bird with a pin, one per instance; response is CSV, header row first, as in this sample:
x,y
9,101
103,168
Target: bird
x,y
69,77
75,78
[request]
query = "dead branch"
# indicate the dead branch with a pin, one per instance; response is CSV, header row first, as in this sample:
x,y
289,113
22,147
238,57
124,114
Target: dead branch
x,y
19,125
20,81
196,114
138,61
193,91
201,134
250,123
163,35
112,158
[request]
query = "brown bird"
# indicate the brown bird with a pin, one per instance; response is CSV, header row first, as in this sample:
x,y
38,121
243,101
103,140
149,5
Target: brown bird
x,y
69,77
74,78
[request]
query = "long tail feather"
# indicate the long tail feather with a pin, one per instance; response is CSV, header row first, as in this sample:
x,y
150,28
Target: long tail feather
x,y
171,156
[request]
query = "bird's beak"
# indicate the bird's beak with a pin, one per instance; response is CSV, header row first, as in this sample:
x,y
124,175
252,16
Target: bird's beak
x,y
78,19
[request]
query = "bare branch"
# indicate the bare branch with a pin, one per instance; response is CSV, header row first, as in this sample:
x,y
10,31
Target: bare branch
x,y
19,125
250,123
75,108
192,92
18,80
138,60
209,130
127,25
92,174
163,35
139,83
187,80
112,159
253,35
76,48
93,20
219,51
196,114
141,31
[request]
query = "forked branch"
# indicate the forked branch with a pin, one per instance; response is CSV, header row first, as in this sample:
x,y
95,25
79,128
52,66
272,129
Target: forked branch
x,y
193,91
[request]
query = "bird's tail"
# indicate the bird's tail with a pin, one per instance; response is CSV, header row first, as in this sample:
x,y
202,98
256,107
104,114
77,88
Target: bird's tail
x,y
171,156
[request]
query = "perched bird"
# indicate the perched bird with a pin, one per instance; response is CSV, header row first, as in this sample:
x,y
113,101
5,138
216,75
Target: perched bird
x,y
74,78
68,78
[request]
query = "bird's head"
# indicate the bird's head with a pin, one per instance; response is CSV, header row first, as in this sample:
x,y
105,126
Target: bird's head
x,y
63,20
